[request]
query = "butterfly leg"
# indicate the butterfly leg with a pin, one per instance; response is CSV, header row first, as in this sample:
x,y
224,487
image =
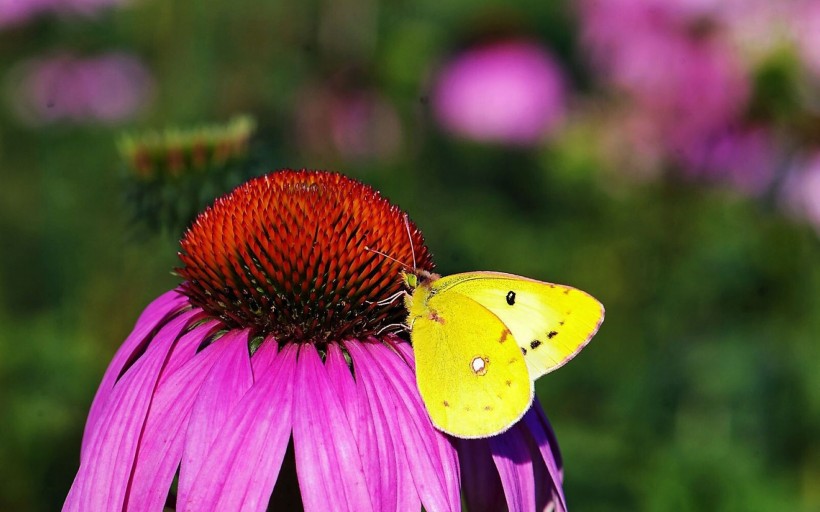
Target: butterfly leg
x,y
390,327
388,300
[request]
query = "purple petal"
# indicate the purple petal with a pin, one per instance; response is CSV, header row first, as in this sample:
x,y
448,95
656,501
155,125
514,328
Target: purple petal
x,y
343,384
244,461
480,480
151,318
446,448
378,449
106,466
226,383
328,463
187,346
163,440
430,456
264,357
512,458
538,428
543,483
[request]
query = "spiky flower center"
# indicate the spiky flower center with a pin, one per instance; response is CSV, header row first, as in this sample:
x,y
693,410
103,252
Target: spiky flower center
x,y
296,254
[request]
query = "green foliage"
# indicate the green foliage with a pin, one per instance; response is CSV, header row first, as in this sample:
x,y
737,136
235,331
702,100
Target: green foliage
x,y
701,391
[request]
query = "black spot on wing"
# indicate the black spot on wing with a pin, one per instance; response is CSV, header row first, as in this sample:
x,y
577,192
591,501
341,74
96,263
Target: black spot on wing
x,y
510,297
523,351
535,344
552,334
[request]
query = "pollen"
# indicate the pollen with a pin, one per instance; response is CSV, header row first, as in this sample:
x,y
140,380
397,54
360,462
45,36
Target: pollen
x,y
301,255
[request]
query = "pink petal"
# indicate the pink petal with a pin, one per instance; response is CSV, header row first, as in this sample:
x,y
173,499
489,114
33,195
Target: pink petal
x,y
387,474
264,357
543,483
187,346
226,383
480,480
446,448
106,466
542,434
151,318
163,439
328,463
244,461
513,460
431,458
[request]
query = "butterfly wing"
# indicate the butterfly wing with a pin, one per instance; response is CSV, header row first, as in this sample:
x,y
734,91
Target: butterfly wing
x,y
550,322
470,372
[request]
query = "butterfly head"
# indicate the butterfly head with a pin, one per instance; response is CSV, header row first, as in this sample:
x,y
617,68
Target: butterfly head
x,y
417,277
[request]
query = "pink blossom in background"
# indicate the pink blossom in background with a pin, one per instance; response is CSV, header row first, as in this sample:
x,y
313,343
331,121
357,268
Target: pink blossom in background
x,y
109,88
687,85
807,34
511,92
801,190
16,12
356,124
684,84
744,158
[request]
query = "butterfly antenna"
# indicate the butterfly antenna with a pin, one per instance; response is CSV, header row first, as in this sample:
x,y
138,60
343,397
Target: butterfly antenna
x,y
391,258
410,236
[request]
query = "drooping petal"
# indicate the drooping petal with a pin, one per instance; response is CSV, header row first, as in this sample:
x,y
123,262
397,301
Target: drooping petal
x,y
479,477
446,447
106,467
536,422
543,482
328,463
378,448
188,345
514,463
359,416
226,383
154,315
163,439
244,462
435,475
264,357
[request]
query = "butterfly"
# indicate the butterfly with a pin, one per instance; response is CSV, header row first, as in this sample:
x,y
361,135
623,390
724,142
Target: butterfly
x,y
481,339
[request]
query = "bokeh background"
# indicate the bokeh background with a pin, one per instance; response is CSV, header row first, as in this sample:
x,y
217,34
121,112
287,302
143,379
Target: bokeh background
x,y
663,155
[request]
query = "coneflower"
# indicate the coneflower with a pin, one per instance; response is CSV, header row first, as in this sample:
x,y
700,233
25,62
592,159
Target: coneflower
x,y
278,336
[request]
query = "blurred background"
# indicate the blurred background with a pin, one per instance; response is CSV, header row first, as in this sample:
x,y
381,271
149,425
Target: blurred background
x,y
663,155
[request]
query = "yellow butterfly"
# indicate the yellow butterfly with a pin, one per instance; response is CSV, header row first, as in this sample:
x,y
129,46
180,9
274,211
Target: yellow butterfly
x,y
482,338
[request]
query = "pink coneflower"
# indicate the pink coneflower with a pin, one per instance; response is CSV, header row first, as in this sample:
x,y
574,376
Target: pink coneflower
x,y
356,124
14,12
508,92
274,338
682,80
107,88
801,191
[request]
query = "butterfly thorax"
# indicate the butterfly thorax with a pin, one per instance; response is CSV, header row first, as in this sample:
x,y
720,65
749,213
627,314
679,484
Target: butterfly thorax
x,y
420,285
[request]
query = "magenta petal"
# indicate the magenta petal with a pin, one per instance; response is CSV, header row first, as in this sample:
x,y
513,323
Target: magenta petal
x,y
263,357
328,463
244,462
542,435
151,318
343,384
480,481
226,383
106,466
378,448
163,439
187,346
430,456
513,460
